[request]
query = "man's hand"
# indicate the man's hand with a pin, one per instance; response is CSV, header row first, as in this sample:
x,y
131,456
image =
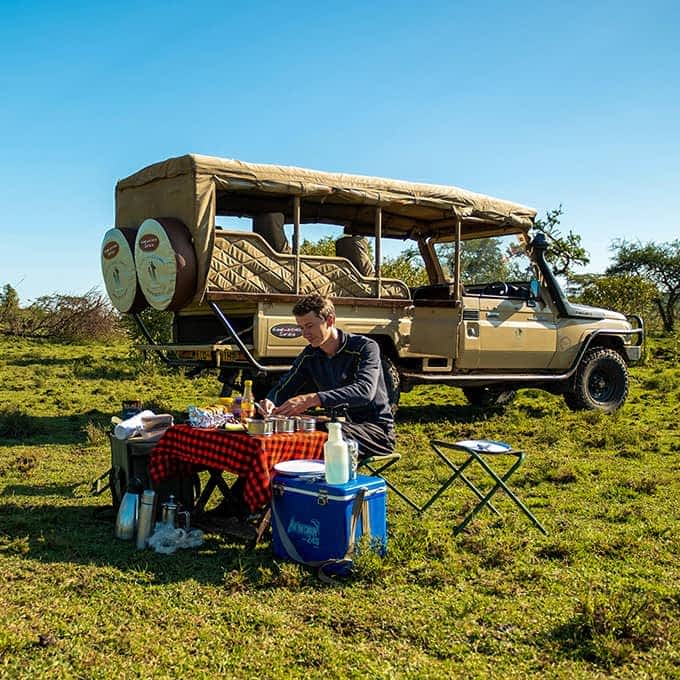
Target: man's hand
x,y
297,405
266,407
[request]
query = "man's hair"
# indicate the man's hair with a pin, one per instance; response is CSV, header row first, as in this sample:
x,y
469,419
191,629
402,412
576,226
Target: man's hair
x,y
316,303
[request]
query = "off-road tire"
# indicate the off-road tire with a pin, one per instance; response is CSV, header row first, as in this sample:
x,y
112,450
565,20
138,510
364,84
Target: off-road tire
x,y
488,396
392,382
600,383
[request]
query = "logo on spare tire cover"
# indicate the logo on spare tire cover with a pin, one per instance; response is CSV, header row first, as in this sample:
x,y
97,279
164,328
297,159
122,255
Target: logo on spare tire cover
x,y
110,250
286,330
148,242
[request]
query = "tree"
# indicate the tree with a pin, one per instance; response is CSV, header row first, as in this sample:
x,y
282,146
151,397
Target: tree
x,y
407,266
324,246
10,312
485,260
564,252
72,318
76,318
628,294
657,262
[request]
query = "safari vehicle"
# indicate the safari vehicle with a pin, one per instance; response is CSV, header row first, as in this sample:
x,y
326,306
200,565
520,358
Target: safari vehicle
x,y
231,290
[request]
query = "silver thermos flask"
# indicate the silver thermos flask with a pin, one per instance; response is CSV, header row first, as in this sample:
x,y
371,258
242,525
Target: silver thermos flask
x,y
146,517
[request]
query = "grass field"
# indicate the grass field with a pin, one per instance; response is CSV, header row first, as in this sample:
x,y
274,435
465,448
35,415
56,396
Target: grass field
x,y
598,597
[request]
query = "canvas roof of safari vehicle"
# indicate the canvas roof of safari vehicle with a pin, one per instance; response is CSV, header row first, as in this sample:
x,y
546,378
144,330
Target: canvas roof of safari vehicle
x,y
195,188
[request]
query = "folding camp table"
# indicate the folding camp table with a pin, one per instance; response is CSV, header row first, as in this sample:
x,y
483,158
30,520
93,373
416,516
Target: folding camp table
x,y
185,450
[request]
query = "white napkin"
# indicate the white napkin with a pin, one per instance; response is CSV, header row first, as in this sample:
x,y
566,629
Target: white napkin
x,y
126,428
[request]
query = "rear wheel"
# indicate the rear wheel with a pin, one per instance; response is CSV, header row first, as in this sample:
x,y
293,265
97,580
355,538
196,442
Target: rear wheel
x,y
601,382
488,396
392,382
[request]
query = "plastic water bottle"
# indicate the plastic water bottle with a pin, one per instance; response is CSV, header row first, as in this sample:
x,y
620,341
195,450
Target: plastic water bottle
x,y
336,456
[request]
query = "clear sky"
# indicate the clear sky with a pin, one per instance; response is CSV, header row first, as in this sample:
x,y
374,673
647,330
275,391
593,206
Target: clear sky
x,y
543,103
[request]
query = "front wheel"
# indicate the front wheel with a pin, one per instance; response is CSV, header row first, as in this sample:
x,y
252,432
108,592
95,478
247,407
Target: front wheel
x,y
600,383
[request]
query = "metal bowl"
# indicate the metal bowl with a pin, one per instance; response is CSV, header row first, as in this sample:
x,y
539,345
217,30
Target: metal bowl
x,y
259,426
305,424
284,424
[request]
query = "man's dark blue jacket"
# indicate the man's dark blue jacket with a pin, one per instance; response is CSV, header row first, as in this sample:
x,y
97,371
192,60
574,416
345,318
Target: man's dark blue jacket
x,y
352,376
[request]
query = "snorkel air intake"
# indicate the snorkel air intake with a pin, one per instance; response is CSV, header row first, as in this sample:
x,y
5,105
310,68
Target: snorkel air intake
x,y
538,247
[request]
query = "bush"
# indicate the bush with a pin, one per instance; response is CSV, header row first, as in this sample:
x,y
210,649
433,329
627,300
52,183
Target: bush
x,y
626,294
158,323
17,424
65,318
607,628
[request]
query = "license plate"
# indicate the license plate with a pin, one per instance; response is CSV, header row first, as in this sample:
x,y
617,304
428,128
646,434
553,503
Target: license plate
x,y
195,355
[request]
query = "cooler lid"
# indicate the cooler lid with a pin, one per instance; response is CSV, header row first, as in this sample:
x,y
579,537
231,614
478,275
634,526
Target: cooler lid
x,y
309,485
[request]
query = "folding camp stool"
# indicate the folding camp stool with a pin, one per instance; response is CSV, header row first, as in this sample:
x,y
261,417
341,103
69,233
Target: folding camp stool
x,y
378,465
476,452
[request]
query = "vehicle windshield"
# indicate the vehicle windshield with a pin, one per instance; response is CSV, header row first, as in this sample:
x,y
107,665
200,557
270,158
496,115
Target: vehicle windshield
x,y
486,260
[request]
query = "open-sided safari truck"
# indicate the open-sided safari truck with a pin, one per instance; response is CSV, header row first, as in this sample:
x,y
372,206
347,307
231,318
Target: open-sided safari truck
x,y
232,291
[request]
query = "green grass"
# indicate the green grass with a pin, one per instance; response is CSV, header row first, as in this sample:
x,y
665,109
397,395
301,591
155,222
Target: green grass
x,y
599,596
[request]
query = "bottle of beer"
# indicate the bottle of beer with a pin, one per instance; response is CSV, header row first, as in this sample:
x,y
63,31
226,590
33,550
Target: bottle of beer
x,y
247,401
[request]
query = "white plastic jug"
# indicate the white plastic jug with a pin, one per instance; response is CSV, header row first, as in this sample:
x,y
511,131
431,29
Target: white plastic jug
x,y
336,456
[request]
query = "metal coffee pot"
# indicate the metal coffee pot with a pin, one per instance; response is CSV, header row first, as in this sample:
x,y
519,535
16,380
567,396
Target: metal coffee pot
x,y
169,511
171,515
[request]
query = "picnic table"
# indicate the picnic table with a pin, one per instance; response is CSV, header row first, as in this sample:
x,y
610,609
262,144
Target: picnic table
x,y
184,450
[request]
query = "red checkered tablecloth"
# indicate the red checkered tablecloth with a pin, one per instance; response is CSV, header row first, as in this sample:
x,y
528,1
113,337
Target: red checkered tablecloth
x,y
183,450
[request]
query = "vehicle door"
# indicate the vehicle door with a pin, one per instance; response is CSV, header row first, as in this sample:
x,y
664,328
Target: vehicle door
x,y
501,332
435,319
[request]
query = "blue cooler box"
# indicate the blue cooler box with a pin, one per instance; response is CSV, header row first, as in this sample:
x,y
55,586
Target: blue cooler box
x,y
316,516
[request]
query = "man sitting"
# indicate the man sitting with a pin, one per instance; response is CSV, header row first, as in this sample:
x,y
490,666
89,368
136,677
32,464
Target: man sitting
x,y
336,369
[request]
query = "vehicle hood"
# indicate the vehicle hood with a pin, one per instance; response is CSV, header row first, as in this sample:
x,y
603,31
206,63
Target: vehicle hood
x,y
588,312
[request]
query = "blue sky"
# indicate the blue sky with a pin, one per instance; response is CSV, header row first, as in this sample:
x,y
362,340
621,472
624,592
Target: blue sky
x,y
543,103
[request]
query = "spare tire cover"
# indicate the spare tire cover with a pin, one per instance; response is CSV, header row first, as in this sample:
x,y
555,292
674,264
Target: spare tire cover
x,y
119,272
166,263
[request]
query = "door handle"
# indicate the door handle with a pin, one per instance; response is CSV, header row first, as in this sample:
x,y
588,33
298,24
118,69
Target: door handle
x,y
492,315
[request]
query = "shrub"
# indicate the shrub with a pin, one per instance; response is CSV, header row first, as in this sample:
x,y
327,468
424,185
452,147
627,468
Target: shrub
x,y
627,294
608,627
65,318
17,424
95,434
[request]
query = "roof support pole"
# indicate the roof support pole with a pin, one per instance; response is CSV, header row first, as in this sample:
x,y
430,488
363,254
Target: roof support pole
x,y
296,241
378,250
456,273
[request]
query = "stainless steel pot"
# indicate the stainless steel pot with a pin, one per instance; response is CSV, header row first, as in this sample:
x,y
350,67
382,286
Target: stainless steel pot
x,y
305,423
284,424
259,426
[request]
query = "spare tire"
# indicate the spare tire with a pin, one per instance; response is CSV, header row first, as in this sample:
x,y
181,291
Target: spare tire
x,y
166,263
119,272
